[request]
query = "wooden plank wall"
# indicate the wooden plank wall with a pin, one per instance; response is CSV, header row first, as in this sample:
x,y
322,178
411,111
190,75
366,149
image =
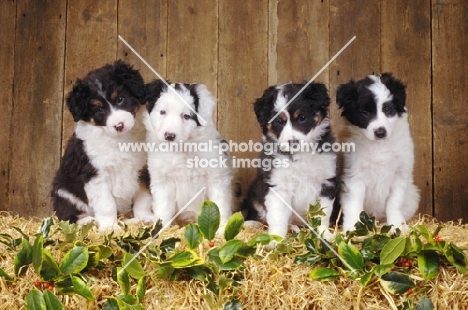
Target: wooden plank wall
x,y
237,48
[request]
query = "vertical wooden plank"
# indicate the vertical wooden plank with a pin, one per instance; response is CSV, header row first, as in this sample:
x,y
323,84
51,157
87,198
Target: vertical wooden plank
x,y
192,42
91,43
7,47
450,110
37,110
348,18
243,68
301,41
406,52
143,24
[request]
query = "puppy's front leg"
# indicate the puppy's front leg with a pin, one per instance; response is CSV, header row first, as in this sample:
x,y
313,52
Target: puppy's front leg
x,y
395,204
101,201
278,213
164,201
352,202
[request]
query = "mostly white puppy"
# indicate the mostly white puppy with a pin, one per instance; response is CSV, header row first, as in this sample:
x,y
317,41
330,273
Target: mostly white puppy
x,y
96,180
187,154
378,176
299,141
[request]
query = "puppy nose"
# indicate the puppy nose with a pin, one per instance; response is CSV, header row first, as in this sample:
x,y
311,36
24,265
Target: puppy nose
x,y
169,136
380,133
119,127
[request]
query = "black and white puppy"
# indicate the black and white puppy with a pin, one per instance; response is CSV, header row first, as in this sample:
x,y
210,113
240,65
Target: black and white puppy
x,y
378,175
187,153
96,179
304,173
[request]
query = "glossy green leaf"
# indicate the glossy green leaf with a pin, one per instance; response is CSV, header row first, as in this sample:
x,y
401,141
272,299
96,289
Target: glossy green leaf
x,y
192,235
45,227
64,286
227,252
52,302
233,264
324,274
233,305
392,250
396,283
81,288
35,301
184,259
365,279
428,263
234,226
38,245
111,304
49,269
263,239
133,266
209,219
123,280
141,289
74,260
425,304
457,257
5,275
23,258
380,270
165,270
351,255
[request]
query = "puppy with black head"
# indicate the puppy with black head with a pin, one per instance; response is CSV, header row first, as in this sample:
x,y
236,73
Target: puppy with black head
x,y
97,179
299,141
378,175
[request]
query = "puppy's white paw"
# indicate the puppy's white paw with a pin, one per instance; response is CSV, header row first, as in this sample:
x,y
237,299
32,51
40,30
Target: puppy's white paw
x,y
108,227
327,235
272,245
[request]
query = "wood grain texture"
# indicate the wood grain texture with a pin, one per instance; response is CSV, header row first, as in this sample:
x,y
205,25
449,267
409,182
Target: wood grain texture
x,y
300,44
406,52
243,68
192,43
450,109
36,134
351,18
143,24
91,43
7,46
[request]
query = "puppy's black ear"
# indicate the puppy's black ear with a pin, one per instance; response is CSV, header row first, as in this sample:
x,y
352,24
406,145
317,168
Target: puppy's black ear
x,y
347,94
206,102
131,78
153,92
77,101
264,106
318,92
397,88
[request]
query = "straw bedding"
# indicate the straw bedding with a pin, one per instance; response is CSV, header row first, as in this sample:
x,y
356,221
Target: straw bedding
x,y
268,281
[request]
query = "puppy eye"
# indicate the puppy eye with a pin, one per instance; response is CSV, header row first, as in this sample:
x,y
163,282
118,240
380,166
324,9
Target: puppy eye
x,y
280,121
302,118
162,112
387,109
120,100
187,116
100,109
365,113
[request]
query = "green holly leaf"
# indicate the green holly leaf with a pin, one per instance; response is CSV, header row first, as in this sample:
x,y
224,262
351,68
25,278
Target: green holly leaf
x,y
133,266
233,226
396,283
227,252
209,219
192,235
324,274
51,301
74,260
392,250
428,263
35,300
81,288
351,255
23,258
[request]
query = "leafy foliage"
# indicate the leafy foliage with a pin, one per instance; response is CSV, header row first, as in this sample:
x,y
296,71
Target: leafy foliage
x,y
369,255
